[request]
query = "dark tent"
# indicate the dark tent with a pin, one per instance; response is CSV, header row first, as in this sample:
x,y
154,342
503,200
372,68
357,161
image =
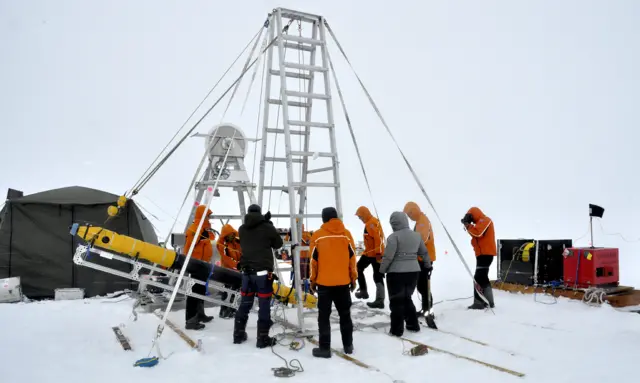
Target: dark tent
x,y
36,246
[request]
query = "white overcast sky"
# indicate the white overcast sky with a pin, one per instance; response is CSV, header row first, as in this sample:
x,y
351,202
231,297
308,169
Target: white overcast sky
x,y
527,109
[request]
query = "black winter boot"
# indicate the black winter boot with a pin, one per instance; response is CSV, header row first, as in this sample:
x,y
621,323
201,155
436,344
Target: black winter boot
x,y
395,333
379,302
362,294
348,349
229,313
478,303
322,352
264,340
413,327
223,312
239,333
488,293
202,316
194,324
239,337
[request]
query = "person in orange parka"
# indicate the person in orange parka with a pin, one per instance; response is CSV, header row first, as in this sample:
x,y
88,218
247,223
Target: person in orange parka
x,y
304,255
372,255
423,226
333,276
229,247
230,253
483,239
203,251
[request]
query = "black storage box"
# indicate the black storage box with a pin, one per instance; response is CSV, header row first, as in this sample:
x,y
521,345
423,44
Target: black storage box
x,y
514,266
511,267
551,261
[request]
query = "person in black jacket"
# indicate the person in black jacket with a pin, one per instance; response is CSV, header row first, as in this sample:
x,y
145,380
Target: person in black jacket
x,y
258,239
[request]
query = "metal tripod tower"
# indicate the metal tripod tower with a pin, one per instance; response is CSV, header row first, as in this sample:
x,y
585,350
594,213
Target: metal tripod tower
x,y
304,77
233,175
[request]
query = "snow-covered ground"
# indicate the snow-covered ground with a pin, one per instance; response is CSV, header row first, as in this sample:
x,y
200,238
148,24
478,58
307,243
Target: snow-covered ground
x,y
72,341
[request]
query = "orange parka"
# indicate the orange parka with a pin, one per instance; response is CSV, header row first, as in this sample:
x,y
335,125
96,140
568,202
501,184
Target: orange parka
x,y
373,235
333,255
423,226
229,247
483,234
306,238
203,250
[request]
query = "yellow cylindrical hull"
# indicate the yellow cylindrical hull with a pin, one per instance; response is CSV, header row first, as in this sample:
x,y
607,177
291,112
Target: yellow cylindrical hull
x,y
288,295
118,243
111,241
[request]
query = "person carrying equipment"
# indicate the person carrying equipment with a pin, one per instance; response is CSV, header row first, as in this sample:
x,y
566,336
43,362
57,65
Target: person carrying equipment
x,y
203,251
258,239
483,239
372,255
400,262
333,276
423,226
229,249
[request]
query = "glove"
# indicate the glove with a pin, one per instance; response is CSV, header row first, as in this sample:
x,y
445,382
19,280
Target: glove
x,y
353,286
379,258
312,287
429,270
293,246
267,217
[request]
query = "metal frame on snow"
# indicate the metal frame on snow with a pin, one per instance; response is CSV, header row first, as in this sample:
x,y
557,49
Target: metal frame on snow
x,y
82,258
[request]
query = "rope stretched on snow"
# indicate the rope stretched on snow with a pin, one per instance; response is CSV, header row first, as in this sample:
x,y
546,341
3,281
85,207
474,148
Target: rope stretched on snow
x,y
415,176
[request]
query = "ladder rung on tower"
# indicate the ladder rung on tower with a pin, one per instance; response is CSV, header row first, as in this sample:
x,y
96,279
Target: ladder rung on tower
x,y
293,90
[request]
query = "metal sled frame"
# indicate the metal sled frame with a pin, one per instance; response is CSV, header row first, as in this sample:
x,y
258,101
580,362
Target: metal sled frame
x,y
82,253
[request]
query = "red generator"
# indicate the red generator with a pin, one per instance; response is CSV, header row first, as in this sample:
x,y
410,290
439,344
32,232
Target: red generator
x,y
591,266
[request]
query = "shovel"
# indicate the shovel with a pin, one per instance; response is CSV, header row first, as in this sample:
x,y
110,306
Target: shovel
x,y
429,315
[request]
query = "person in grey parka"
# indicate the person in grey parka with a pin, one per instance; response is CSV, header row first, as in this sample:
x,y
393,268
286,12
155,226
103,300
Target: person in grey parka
x,y
400,263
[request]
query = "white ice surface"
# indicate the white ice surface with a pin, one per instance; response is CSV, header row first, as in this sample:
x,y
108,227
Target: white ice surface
x,y
72,341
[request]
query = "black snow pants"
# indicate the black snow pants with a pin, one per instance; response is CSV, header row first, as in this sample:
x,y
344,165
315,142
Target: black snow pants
x,y
400,287
341,297
423,288
194,304
483,263
363,263
253,285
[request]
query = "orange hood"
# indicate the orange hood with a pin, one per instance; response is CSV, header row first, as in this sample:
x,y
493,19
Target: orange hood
x,y
226,231
476,213
334,226
200,212
363,213
412,210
